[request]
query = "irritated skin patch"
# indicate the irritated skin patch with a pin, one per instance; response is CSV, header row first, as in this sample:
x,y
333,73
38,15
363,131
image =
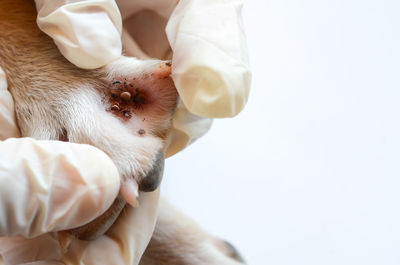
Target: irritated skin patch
x,y
125,99
143,100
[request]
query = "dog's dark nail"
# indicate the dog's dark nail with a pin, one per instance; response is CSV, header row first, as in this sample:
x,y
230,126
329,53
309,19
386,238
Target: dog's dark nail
x,y
141,132
153,179
126,96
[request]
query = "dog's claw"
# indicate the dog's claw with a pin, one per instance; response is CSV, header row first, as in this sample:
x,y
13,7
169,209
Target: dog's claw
x,y
129,191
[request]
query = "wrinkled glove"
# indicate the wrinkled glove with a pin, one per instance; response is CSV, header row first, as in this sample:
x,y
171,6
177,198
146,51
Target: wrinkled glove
x,y
50,186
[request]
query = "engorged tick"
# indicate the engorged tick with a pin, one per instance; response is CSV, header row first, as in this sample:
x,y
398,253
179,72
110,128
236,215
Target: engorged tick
x,y
126,96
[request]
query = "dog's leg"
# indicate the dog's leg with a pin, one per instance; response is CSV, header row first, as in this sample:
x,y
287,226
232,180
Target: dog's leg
x,y
177,240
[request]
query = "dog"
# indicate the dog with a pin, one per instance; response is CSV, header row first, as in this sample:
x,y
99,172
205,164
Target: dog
x,y
124,109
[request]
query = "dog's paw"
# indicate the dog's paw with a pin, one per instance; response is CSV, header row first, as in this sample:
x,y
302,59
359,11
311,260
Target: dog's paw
x,y
129,121
124,109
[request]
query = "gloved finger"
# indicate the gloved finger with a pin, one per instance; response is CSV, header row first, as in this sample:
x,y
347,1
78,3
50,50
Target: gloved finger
x,y
186,128
125,242
87,33
8,124
43,249
51,186
210,65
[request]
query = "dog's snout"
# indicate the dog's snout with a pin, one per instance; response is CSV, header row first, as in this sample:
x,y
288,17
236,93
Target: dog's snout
x,y
153,179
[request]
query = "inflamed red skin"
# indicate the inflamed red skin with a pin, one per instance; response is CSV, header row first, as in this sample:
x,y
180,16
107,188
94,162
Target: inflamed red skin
x,y
144,99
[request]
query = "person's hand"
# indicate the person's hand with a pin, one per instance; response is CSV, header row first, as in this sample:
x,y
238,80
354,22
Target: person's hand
x,y
51,186
204,39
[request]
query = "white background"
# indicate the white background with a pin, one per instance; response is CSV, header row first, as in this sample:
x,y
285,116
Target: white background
x,y
309,172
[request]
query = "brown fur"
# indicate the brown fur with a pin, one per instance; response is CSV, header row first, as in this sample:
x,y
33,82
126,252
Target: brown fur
x,y
178,240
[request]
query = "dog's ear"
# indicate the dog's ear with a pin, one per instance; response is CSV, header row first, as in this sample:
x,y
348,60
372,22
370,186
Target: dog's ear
x,y
179,240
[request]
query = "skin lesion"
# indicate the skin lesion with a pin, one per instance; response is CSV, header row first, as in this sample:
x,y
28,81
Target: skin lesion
x,y
125,100
143,98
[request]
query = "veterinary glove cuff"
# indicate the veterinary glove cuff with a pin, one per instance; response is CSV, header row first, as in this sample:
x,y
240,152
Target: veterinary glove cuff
x,y
49,186
87,33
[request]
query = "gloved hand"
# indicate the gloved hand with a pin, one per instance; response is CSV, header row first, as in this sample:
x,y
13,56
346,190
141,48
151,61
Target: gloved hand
x,y
49,186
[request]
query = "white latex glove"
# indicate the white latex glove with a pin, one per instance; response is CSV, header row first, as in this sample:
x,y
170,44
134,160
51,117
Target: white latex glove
x,y
86,32
49,186
209,54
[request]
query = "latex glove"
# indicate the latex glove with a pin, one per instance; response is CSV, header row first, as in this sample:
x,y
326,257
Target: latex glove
x,y
124,243
48,186
210,61
206,38
86,32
